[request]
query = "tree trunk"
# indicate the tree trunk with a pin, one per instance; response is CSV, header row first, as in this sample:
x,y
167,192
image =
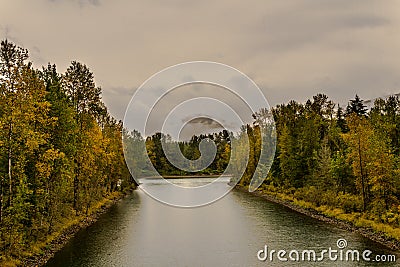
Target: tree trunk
x,y
362,174
76,189
9,165
1,198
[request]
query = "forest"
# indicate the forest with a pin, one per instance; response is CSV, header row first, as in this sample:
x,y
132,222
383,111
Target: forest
x,y
60,151
190,150
62,155
343,162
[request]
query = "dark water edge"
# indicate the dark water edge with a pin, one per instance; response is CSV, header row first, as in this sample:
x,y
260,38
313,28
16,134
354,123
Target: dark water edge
x,y
366,232
60,241
140,231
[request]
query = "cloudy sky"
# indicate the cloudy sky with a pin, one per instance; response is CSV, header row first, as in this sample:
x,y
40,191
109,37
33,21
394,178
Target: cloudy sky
x,y
291,49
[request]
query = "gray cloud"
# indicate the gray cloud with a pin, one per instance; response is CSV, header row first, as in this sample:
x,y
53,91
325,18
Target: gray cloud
x,y
363,21
117,99
207,122
201,125
37,56
7,32
81,3
292,49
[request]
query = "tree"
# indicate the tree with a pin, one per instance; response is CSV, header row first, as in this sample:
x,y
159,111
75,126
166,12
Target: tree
x,y
356,106
289,159
238,153
82,91
341,173
323,174
12,63
86,101
372,161
25,120
381,169
385,119
358,141
61,147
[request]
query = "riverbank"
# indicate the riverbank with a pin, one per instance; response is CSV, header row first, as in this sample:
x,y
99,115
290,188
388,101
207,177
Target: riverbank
x,y
335,218
42,252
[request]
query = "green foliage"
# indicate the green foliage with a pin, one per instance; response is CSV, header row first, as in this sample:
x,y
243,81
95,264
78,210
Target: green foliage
x,y
189,149
350,203
344,164
342,173
60,151
356,107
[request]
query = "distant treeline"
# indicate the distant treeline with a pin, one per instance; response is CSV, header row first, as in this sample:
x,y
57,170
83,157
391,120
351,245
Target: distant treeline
x,y
60,150
190,150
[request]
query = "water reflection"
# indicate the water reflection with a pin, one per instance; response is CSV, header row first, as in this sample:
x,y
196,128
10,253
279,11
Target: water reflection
x,y
140,231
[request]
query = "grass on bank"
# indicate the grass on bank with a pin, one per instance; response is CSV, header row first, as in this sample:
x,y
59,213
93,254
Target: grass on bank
x,y
386,225
39,248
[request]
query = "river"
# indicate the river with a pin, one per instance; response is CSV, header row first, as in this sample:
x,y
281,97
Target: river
x,y
140,231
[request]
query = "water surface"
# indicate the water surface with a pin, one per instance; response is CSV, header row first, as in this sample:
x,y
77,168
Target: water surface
x,y
140,231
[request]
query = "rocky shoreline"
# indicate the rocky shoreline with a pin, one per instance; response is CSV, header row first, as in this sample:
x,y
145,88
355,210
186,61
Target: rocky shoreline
x,y
366,232
59,242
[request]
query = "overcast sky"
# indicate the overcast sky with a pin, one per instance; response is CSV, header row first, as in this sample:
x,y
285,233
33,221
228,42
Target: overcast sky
x,y
291,49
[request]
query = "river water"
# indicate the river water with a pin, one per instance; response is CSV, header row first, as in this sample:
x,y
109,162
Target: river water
x,y
140,231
